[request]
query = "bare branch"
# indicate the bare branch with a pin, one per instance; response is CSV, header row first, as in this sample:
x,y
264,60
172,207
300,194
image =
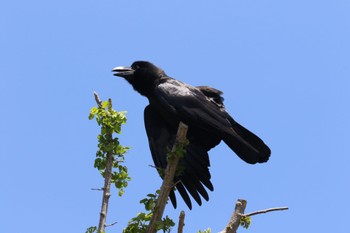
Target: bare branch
x,y
238,214
97,189
106,193
112,224
167,184
181,222
234,222
265,211
97,99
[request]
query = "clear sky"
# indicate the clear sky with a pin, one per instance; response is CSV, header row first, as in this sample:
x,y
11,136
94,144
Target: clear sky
x,y
284,67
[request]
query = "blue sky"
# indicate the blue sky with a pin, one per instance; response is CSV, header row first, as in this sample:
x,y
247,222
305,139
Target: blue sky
x,y
284,67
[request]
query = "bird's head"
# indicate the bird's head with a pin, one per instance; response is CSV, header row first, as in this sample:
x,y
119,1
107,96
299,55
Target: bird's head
x,y
142,75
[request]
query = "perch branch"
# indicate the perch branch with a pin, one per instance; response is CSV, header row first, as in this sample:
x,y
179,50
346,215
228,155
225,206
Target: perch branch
x,y
167,184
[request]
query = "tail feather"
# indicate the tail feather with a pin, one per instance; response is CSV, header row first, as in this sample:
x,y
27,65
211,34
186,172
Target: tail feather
x,y
247,145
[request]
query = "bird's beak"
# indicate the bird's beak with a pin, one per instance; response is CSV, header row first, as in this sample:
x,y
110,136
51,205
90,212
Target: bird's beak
x,y
123,71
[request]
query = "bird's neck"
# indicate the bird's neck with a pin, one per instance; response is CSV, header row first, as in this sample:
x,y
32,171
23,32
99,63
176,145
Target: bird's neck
x,y
146,87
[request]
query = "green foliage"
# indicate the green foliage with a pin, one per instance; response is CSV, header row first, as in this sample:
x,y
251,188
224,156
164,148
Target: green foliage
x,y
205,231
110,122
91,229
245,221
165,225
179,151
140,223
150,202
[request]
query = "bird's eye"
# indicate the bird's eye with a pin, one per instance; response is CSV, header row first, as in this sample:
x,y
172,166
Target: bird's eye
x,y
135,67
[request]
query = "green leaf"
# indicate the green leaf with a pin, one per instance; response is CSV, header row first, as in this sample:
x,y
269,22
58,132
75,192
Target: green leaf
x,y
93,112
105,104
245,221
91,229
110,123
205,231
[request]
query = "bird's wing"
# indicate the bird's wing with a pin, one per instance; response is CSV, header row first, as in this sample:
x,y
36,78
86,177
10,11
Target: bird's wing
x,y
192,107
195,162
160,136
214,96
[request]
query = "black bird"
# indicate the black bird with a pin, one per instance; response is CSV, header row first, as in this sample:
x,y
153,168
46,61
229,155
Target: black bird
x,y
202,109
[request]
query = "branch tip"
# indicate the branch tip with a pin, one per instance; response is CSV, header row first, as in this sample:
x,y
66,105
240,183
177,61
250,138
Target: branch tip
x,y
97,99
265,211
181,222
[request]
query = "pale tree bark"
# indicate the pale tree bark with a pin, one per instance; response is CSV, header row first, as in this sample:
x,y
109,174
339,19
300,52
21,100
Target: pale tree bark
x,y
238,214
181,222
235,219
168,178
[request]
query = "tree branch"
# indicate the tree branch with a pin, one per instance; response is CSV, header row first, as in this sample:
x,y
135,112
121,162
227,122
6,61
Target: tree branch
x,y
238,214
235,219
167,184
112,224
107,184
97,99
181,222
265,211
106,193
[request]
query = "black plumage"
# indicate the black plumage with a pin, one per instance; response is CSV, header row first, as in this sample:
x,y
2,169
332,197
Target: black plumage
x,y
202,109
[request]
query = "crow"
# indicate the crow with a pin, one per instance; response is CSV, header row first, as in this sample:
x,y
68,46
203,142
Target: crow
x,y
203,110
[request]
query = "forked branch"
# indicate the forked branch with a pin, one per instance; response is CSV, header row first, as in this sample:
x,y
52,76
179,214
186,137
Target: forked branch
x,y
239,218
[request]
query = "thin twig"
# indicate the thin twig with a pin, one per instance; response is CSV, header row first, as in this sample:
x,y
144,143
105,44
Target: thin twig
x,y
168,178
158,168
265,211
112,224
97,189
